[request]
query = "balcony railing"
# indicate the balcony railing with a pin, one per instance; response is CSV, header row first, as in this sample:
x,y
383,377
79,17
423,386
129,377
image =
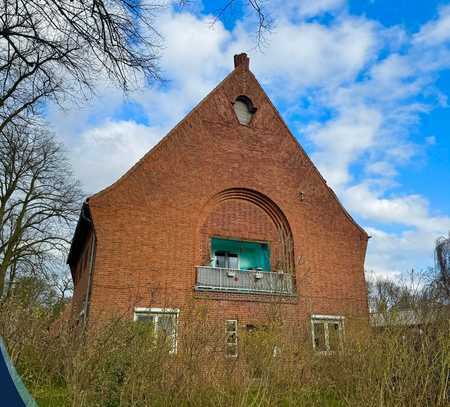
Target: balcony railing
x,y
224,279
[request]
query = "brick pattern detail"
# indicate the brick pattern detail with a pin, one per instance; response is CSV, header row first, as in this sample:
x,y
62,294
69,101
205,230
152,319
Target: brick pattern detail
x,y
152,226
238,218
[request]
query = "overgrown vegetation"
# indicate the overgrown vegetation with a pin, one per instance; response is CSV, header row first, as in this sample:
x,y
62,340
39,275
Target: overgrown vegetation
x,y
122,363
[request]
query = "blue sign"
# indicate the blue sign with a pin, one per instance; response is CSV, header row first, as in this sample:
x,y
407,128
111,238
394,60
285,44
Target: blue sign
x,y
13,392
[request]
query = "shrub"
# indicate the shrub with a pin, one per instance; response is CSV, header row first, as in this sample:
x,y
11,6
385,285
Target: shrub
x,y
121,363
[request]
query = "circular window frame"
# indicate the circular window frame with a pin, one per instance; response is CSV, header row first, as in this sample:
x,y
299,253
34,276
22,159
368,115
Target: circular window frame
x,y
250,107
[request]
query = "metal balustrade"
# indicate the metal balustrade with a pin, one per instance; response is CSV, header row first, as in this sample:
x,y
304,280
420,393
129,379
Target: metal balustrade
x,y
251,281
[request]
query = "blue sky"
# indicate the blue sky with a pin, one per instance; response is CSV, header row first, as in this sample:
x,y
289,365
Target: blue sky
x,y
363,85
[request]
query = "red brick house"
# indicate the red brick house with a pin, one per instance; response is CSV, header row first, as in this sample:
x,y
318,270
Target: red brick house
x,y
228,211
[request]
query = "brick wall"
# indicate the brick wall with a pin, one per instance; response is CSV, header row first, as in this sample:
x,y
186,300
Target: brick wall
x,y
153,225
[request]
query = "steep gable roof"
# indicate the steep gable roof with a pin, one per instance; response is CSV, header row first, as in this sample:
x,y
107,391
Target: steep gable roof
x,y
241,63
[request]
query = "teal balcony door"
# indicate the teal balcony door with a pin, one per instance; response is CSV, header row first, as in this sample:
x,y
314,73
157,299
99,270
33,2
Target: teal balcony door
x,y
240,254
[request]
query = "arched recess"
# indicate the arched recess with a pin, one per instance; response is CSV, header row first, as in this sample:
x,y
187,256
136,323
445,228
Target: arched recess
x,y
271,209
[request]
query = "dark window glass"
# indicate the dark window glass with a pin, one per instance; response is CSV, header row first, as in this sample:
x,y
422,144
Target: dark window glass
x,y
227,260
231,343
319,336
163,325
333,336
145,317
221,259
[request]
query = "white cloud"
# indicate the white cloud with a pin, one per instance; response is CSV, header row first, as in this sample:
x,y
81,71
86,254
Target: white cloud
x,y
339,142
193,46
392,255
381,168
102,154
304,8
306,55
192,64
410,210
437,31
310,8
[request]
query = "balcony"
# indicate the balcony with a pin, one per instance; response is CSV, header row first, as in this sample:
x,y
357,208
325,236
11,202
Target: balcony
x,y
243,281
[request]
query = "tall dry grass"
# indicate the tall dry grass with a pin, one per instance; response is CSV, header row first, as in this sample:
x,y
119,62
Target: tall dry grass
x,y
121,363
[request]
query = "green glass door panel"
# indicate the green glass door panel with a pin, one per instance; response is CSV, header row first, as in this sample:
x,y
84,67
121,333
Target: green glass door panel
x,y
251,255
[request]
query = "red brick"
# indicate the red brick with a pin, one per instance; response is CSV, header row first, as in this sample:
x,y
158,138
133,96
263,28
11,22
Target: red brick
x,y
152,226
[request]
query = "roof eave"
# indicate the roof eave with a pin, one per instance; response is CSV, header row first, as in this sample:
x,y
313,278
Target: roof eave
x,y
82,230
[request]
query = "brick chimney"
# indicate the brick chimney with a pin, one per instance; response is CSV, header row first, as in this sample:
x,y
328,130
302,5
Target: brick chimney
x,y
241,60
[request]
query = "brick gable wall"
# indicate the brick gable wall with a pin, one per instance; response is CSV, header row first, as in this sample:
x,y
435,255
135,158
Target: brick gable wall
x,y
152,226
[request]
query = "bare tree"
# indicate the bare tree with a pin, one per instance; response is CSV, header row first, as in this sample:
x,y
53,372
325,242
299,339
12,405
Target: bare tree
x,y
50,48
384,294
55,48
440,283
408,292
264,21
39,198
49,291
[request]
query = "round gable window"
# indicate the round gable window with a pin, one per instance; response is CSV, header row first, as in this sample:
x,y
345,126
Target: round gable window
x,y
243,107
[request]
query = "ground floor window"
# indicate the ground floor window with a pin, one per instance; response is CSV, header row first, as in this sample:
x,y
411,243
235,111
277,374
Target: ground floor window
x,y
164,322
231,338
327,332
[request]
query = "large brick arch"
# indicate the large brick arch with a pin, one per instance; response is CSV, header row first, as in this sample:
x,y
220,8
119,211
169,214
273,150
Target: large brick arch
x,y
249,215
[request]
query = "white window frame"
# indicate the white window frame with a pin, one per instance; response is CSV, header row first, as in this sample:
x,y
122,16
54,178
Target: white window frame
x,y
326,320
156,313
227,333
